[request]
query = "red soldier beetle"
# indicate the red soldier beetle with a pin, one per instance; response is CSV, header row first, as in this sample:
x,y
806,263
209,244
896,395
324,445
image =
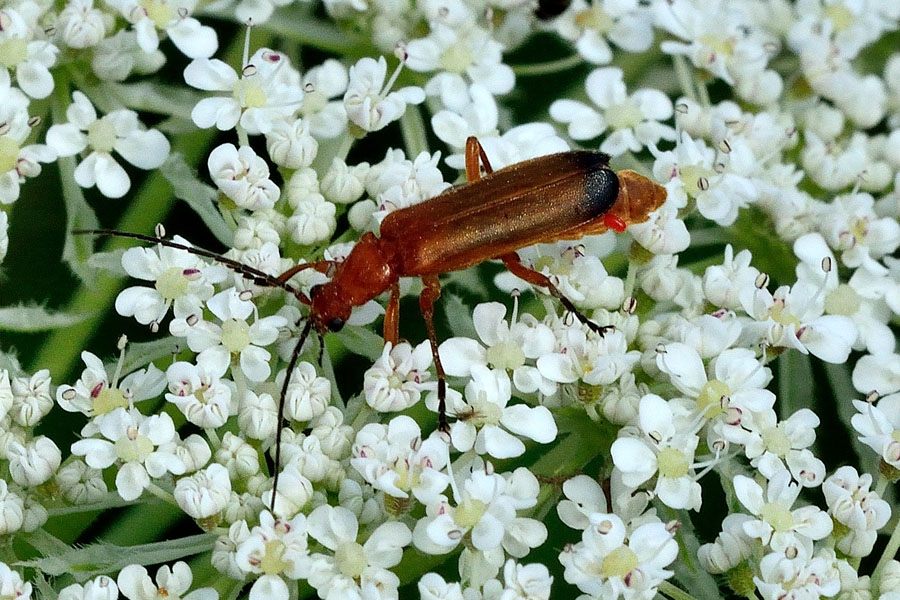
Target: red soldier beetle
x,y
562,196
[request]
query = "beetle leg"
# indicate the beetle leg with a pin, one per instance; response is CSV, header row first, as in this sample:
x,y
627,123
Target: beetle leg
x,y
430,293
392,316
515,266
322,266
474,152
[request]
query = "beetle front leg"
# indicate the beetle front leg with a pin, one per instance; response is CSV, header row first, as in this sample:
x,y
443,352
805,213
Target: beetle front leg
x,y
474,152
515,266
430,293
392,316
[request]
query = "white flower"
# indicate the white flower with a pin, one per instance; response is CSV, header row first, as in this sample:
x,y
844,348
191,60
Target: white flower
x,y
218,343
877,373
594,359
396,460
308,394
118,56
592,25
18,162
119,130
633,564
313,219
181,281
664,448
258,415
172,17
773,446
861,510
275,549
30,58
31,399
93,395
144,445
243,176
725,284
509,346
456,51
205,493
792,317
485,513
12,512
526,582
267,91
33,463
851,226
367,101
294,491
200,394
487,422
634,120
79,483
354,569
174,582
878,426
732,545
99,588
777,524
12,585
290,143
692,171
789,573
397,379
323,107
81,25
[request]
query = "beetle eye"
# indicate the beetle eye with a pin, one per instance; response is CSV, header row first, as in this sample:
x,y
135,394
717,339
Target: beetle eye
x,y
336,324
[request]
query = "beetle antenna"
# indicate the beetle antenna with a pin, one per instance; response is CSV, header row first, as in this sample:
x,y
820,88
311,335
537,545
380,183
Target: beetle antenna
x,y
292,363
244,270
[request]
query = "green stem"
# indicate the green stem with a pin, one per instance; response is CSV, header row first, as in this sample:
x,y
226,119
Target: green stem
x,y
111,500
161,494
546,68
683,74
412,125
673,591
890,552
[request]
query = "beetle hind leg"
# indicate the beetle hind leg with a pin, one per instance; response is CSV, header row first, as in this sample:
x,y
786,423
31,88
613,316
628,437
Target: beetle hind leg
x,y
430,293
474,153
515,266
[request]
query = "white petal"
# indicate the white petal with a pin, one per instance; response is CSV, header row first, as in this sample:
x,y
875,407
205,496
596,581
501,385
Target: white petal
x,y
131,480
66,139
210,75
144,149
532,422
193,39
498,443
112,180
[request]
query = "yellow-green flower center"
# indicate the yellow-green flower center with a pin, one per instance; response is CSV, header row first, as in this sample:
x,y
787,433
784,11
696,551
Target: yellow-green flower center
x,y
718,44
350,559
172,283
456,58
777,516
843,300
485,412
108,400
469,512
9,153
506,356
840,16
273,562
235,335
249,93
13,51
407,477
623,116
778,314
159,12
709,402
672,463
695,178
776,441
102,135
313,102
133,447
619,563
595,18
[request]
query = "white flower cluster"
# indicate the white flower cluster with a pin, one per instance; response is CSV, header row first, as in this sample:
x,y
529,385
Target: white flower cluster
x,y
778,144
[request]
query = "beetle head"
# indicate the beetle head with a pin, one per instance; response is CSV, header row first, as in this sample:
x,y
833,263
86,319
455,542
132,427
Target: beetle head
x,y
329,310
638,197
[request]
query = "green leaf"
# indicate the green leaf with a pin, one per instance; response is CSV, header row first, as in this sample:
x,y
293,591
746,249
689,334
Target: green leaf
x,y
111,262
362,341
199,196
796,385
152,96
98,559
35,318
459,316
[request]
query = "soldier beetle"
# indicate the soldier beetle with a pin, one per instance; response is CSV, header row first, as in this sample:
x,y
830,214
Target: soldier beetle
x,y
546,199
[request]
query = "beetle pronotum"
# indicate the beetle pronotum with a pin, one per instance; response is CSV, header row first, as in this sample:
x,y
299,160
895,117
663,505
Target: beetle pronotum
x,y
549,198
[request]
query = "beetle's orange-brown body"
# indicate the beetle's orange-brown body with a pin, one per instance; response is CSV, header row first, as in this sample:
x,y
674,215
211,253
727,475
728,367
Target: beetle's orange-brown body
x,y
545,199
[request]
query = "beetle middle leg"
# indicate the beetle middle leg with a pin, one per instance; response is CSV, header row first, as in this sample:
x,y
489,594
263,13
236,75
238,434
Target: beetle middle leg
x,y
474,152
392,316
430,293
515,266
